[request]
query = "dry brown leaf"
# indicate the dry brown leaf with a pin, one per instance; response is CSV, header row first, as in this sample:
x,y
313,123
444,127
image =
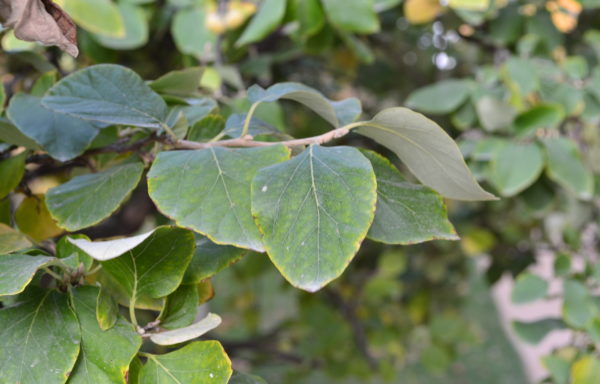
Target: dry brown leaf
x,y
41,21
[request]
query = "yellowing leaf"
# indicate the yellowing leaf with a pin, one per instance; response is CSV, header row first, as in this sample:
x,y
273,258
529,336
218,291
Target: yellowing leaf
x,y
422,11
34,220
564,14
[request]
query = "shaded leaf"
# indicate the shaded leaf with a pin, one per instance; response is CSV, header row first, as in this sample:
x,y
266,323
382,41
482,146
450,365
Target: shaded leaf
x,y
534,332
16,271
107,310
180,335
181,307
34,220
314,211
11,240
540,116
209,259
11,172
428,151
566,167
184,82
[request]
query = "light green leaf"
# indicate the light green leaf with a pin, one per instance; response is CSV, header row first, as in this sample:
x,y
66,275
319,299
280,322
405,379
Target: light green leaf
x,y
578,305
11,172
566,168
244,378
586,370
528,287
428,151
16,271
314,211
107,310
311,17
40,339
406,213
184,82
63,137
190,33
534,332
109,249
540,116
135,368
11,240
105,354
266,20
515,167
180,335
181,307
97,16
76,204
136,29
494,114
108,93
209,259
522,73
199,362
352,15
337,113
558,367
209,190
154,268
440,98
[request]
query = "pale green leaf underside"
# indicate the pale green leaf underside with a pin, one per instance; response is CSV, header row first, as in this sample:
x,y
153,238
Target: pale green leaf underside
x,y
427,150
199,362
108,93
109,249
314,212
88,199
209,190
442,97
176,336
515,167
406,213
105,355
154,268
16,271
40,339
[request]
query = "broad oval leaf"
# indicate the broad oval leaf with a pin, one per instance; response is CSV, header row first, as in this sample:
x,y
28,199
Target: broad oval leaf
x,y
154,268
208,190
181,307
515,167
180,335
136,28
105,354
63,137
40,339
337,113
11,172
210,258
268,17
12,240
566,167
427,150
199,362
76,204
528,287
406,213
108,93
441,98
314,211
16,271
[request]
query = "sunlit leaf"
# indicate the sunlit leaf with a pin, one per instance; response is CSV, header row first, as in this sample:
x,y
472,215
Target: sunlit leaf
x,y
180,335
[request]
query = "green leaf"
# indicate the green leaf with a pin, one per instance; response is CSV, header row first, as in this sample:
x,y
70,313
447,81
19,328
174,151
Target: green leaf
x,y
311,17
11,134
209,259
337,113
97,16
586,370
314,211
494,114
136,29
244,378
515,167
440,98
11,172
184,82
406,213
352,15
156,266
180,308
534,332
105,354
528,287
107,310
71,255
428,151
181,335
34,220
207,128
266,20
135,368
566,167
190,33
63,137
540,116
199,362
209,190
40,339
76,204
106,250
108,93
578,305
16,271
522,73
558,367
11,240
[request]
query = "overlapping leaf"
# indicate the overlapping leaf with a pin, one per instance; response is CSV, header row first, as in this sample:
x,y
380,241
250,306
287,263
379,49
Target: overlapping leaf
x,y
180,335
17,270
210,258
515,167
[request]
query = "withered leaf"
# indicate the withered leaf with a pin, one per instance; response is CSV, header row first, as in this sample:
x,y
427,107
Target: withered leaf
x,y
42,21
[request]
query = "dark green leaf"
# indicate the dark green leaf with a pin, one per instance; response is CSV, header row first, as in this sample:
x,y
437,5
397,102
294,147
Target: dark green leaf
x,y
535,331
314,212
352,15
16,271
180,307
244,378
540,116
207,128
11,134
209,259
11,172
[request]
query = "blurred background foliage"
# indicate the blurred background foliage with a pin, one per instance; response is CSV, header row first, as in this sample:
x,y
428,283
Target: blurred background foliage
x,y
517,83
